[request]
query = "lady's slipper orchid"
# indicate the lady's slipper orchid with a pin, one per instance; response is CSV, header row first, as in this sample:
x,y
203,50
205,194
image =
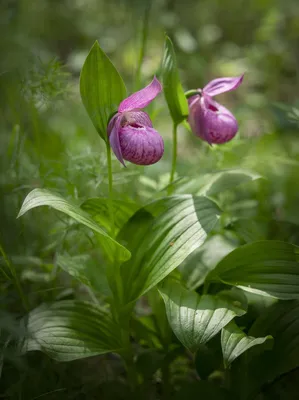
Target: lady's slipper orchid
x,y
209,120
131,132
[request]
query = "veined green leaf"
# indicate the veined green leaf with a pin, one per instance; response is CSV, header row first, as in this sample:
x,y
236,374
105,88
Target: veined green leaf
x,y
235,342
215,182
196,319
69,330
101,88
161,235
98,208
173,91
267,267
43,197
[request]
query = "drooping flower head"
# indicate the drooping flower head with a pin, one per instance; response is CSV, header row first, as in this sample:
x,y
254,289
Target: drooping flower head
x,y
131,133
210,120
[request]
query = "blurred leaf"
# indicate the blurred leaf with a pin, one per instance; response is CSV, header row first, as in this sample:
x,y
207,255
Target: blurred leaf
x,y
202,390
69,330
214,182
234,342
98,208
196,319
252,372
43,197
249,230
101,88
173,91
86,270
161,235
206,360
266,267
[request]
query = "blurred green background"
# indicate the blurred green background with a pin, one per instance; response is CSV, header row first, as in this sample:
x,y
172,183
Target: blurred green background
x,y
47,140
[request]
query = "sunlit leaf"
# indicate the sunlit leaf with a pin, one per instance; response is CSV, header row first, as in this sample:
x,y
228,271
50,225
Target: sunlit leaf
x,y
266,267
161,235
196,319
69,330
215,182
43,197
173,91
101,87
234,342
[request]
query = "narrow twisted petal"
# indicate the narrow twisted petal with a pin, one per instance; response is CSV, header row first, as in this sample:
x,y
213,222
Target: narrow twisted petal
x,y
221,85
142,98
141,145
113,133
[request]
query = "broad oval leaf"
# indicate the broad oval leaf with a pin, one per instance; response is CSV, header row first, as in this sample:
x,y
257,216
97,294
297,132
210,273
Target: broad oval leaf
x,y
43,197
161,235
69,330
98,208
235,342
214,182
196,319
267,267
173,91
101,87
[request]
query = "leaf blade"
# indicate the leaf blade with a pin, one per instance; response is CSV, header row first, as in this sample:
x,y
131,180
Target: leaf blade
x,y
235,342
267,267
43,197
69,330
196,319
173,91
101,88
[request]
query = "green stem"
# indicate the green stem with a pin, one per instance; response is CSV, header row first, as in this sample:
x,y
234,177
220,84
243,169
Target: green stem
x,y
174,157
15,278
143,43
192,92
110,179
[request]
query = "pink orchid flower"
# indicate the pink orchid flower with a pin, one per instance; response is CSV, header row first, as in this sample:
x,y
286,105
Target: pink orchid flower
x,y
210,120
131,133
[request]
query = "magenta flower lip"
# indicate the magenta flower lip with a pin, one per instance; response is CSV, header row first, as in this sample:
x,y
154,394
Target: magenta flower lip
x,y
131,133
210,120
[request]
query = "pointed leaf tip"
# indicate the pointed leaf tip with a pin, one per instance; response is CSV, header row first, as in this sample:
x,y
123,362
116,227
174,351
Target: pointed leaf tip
x,y
101,88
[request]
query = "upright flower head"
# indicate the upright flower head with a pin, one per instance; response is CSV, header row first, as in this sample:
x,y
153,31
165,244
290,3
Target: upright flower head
x,y
131,132
210,120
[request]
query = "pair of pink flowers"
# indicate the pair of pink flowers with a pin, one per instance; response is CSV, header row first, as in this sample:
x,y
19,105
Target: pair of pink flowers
x,y
133,138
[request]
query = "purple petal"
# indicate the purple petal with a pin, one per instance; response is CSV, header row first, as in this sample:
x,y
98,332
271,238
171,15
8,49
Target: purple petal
x,y
113,133
196,117
141,145
142,98
221,85
211,121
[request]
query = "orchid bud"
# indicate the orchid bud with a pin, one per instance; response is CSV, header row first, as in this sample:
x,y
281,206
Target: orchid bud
x,y
131,133
210,120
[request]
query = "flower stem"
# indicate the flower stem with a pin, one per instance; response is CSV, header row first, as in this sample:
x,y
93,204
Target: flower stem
x,y
144,36
174,157
110,179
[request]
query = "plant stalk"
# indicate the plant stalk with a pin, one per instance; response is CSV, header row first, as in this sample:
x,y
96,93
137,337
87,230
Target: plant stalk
x,y
110,179
144,36
174,157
